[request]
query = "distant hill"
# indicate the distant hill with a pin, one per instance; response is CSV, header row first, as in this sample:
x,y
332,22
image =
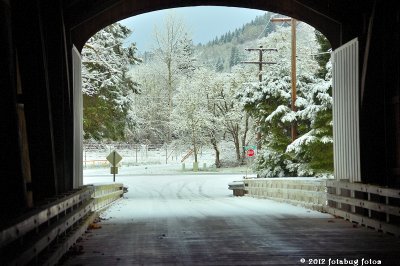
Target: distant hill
x,y
227,50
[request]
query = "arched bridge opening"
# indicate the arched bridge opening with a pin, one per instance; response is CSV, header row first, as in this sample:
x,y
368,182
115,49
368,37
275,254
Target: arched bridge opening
x,y
38,125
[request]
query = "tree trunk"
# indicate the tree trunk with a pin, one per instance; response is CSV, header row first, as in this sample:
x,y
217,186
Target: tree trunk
x,y
244,138
237,146
170,103
195,153
215,146
234,131
194,146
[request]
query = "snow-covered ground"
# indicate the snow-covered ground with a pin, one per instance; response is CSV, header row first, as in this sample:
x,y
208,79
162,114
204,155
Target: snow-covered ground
x,y
193,219
102,174
94,155
157,188
193,195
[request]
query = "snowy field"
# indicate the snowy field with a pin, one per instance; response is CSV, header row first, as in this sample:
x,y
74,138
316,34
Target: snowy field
x,y
94,155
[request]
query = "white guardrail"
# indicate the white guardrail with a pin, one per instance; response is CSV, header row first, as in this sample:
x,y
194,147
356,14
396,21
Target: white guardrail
x,y
45,234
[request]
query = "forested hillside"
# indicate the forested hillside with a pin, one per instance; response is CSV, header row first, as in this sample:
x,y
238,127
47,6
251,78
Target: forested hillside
x,y
227,50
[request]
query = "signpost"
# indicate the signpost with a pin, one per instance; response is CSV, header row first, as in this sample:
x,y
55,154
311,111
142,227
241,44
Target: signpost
x,y
114,158
250,152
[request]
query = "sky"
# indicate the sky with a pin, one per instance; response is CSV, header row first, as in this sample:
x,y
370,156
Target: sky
x,y
204,23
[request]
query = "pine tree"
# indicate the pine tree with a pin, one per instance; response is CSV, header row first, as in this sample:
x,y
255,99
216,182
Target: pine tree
x,y
185,56
323,57
316,146
270,102
219,66
235,57
107,89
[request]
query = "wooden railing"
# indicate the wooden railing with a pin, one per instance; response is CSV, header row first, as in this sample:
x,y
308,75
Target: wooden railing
x,y
368,205
44,235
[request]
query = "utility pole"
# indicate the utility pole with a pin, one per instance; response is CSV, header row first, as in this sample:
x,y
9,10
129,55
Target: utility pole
x,y
260,63
293,23
260,59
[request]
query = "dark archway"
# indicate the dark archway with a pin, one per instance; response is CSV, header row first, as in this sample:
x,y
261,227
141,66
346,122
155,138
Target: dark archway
x,y
323,16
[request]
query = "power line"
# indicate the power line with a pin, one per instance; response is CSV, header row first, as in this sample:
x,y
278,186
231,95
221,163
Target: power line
x,y
266,26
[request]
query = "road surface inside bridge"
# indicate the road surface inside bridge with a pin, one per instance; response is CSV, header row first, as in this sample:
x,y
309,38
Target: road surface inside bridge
x,y
193,219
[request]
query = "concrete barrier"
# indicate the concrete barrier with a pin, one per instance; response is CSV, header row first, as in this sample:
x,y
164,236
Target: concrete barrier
x,y
307,192
237,187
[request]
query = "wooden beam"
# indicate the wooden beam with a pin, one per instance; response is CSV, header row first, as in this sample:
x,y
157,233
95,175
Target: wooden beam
x,y
11,175
29,41
366,52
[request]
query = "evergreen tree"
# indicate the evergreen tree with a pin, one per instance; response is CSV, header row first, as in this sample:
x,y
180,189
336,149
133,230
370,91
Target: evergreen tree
x,y
219,66
106,87
185,56
316,146
270,102
323,57
235,57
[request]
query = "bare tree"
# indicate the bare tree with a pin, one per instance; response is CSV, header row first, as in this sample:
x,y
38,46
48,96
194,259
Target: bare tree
x,y
167,41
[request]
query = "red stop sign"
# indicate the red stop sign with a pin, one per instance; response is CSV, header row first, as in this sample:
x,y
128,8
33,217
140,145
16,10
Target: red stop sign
x,y
250,152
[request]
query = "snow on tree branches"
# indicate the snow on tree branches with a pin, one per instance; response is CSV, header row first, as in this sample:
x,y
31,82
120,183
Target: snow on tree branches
x,y
107,89
270,103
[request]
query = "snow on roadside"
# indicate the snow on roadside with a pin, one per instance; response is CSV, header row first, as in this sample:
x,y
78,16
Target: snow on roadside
x,y
200,196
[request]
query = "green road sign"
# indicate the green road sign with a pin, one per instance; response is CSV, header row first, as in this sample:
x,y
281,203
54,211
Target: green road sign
x,y
250,147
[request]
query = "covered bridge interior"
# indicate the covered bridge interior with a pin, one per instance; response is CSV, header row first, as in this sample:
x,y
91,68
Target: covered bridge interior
x,y
37,126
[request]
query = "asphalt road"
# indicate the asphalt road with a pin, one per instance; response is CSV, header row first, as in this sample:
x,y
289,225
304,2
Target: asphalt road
x,y
195,220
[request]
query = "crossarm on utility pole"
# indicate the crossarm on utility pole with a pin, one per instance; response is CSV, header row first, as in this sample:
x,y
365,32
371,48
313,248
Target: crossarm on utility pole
x,y
257,62
260,61
261,49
